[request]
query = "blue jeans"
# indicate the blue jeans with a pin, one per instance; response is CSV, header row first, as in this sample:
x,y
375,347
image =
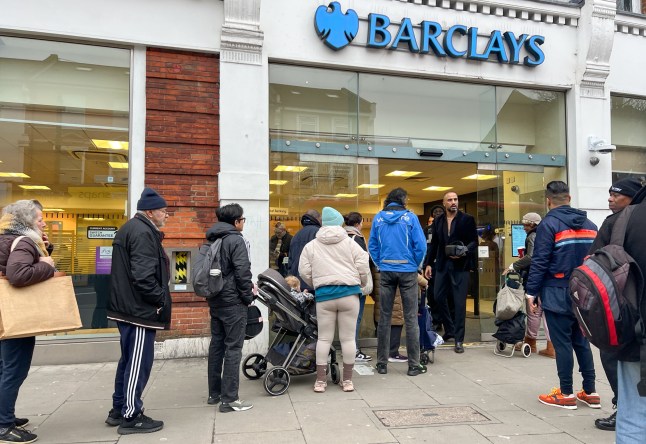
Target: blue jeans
x,y
631,413
409,290
228,326
15,360
566,337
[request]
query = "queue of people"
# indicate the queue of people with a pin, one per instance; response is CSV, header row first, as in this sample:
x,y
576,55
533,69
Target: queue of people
x,y
334,266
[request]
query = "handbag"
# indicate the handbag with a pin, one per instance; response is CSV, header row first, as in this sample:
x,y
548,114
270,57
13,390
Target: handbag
x,y
457,249
254,322
47,307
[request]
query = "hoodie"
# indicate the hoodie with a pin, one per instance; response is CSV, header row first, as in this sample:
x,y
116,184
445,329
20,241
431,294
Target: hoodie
x,y
236,267
563,239
311,226
397,241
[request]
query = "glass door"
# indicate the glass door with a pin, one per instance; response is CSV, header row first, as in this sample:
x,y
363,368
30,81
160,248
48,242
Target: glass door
x,y
505,193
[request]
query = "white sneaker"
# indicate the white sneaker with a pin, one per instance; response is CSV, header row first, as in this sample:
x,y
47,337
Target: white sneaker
x,y
362,357
235,406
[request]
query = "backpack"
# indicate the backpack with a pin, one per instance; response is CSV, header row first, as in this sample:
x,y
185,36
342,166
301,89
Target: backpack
x,y
606,292
206,275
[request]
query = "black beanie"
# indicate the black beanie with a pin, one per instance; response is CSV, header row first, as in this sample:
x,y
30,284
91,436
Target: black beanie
x,y
628,186
150,200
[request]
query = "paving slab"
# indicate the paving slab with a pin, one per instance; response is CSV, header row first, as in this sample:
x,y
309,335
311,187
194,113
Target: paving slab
x,y
459,434
181,425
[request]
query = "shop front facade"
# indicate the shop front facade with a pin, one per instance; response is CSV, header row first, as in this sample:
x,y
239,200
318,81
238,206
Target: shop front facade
x,y
284,106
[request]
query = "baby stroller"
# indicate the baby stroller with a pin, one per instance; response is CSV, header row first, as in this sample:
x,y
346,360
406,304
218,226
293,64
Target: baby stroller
x,y
293,350
511,318
428,338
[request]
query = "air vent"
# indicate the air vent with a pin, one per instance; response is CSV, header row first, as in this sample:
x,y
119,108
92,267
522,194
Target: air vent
x,y
417,179
316,178
98,156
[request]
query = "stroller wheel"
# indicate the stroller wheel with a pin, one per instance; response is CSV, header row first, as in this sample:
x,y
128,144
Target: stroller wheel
x,y
254,366
526,349
423,358
277,381
501,346
334,373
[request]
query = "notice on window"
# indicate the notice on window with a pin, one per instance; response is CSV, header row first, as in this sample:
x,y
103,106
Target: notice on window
x,y
101,232
483,251
103,260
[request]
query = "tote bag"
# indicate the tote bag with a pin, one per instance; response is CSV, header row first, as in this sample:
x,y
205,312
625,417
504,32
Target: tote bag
x,y
47,307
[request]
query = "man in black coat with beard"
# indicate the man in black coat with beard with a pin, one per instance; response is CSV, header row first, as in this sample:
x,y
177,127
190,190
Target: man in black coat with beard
x,y
311,222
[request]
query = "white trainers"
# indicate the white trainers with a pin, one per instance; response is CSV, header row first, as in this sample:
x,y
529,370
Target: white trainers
x,y
235,406
362,357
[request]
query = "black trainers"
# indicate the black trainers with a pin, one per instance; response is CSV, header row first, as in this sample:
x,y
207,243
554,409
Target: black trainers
x,y
414,371
382,369
114,418
235,406
20,422
139,424
213,400
16,434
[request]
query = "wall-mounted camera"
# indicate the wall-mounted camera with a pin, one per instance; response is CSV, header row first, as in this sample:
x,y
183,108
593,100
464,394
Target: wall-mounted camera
x,y
598,145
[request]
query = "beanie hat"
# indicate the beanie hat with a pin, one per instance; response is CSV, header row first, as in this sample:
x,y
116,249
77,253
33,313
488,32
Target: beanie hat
x,y
628,186
532,218
150,200
332,217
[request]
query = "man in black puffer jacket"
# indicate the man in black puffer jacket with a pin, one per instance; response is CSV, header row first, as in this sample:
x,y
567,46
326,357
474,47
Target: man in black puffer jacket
x,y
311,222
229,310
140,302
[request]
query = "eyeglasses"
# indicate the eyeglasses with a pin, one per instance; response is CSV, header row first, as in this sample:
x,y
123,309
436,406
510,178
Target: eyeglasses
x,y
242,219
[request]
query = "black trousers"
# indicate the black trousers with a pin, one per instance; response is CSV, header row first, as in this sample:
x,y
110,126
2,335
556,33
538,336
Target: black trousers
x,y
609,362
15,360
450,281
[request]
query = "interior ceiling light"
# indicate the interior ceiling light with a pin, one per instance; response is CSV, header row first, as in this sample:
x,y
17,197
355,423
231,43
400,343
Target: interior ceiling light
x,y
480,177
290,168
398,173
296,92
345,195
371,185
271,192
277,182
110,144
53,210
93,218
118,165
83,68
332,96
21,175
34,187
435,188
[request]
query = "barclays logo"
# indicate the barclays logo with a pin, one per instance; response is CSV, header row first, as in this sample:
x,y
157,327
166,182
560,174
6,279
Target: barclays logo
x,y
336,29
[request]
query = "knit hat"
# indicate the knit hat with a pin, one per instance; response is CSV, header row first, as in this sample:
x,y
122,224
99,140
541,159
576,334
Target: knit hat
x,y
532,218
150,200
332,217
628,186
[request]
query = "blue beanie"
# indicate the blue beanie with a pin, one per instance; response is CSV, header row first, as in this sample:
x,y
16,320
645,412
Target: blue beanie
x,y
331,217
150,200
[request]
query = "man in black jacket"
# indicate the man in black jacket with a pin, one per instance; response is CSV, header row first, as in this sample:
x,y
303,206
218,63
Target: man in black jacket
x,y
229,310
311,222
140,303
620,195
452,272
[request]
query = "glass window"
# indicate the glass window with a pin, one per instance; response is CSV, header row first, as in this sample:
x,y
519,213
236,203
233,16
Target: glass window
x,y
628,120
530,121
64,133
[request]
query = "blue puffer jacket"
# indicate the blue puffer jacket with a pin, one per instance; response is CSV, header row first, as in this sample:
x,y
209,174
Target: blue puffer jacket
x,y
563,239
397,241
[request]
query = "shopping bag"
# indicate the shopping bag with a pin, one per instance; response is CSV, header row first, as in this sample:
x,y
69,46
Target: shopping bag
x,y
510,300
47,307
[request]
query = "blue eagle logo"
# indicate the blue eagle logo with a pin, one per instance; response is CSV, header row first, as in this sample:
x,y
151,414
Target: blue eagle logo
x,y
336,29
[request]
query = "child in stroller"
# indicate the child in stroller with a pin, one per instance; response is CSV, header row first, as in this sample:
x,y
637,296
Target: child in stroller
x,y
293,350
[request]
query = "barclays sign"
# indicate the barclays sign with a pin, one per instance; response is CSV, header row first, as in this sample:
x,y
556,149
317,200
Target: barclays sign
x,y
338,30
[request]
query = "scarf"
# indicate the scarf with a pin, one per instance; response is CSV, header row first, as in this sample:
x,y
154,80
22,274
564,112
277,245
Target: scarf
x,y
353,231
9,225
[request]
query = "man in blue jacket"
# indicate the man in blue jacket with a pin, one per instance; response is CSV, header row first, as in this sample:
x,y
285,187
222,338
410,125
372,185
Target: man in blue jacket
x,y
397,246
562,241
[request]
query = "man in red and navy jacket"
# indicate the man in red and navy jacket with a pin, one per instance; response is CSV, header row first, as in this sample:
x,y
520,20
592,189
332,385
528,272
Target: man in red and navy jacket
x,y
563,239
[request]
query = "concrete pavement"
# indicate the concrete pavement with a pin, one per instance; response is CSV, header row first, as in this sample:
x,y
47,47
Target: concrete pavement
x,y
471,398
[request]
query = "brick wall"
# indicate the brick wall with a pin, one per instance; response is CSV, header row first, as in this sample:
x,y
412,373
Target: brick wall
x,y
182,158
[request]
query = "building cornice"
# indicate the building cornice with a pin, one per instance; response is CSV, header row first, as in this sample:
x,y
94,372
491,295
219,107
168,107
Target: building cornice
x,y
597,64
242,39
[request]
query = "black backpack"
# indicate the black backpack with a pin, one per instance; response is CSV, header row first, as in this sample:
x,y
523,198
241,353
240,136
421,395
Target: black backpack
x,y
606,292
206,276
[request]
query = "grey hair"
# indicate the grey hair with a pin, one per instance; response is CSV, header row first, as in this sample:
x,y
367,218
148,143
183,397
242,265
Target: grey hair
x,y
24,212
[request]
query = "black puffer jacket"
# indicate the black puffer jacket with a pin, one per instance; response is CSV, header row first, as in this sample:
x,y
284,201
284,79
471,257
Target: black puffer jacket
x,y
311,226
235,264
140,275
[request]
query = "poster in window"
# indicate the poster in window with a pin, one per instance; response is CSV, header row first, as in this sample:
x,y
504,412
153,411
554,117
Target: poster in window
x,y
518,237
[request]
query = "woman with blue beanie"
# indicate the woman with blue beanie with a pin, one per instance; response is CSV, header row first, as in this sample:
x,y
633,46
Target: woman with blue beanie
x,y
338,269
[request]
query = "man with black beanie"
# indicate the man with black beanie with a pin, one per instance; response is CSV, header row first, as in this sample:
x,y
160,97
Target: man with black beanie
x,y
140,303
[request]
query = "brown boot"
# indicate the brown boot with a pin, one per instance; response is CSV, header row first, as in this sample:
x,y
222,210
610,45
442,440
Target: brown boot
x,y
549,351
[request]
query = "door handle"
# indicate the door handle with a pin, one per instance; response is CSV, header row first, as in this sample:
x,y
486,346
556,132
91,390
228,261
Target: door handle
x,y
480,266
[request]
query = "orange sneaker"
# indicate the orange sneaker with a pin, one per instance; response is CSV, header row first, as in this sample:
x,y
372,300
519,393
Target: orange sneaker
x,y
593,400
557,399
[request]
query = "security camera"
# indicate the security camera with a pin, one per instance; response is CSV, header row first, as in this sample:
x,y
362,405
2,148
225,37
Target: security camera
x,y
598,145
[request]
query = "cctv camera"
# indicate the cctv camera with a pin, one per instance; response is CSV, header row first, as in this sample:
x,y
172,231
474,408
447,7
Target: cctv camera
x,y
598,145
